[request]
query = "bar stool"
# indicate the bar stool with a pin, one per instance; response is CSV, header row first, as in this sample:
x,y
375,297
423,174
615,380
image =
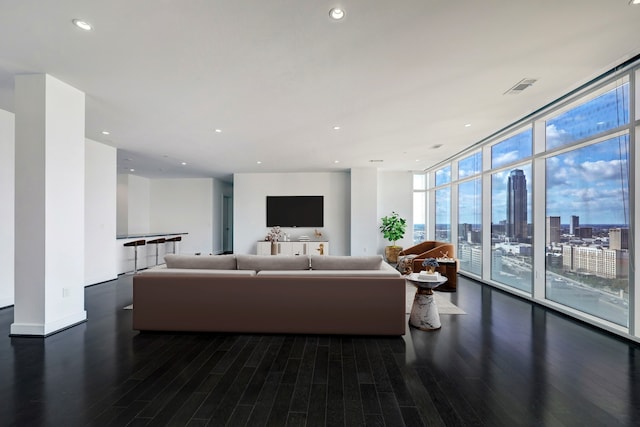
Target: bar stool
x,y
174,240
135,245
156,242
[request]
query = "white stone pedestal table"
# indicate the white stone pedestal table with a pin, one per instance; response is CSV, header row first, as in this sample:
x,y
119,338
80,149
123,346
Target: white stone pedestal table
x,y
424,311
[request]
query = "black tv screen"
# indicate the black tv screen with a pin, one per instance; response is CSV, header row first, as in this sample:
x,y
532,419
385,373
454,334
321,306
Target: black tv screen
x,y
295,211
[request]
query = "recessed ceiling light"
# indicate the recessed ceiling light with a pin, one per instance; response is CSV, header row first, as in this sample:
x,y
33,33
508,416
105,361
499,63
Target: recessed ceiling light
x,y
417,160
218,130
106,132
184,163
259,162
467,125
336,128
132,170
336,13
632,2
336,161
84,25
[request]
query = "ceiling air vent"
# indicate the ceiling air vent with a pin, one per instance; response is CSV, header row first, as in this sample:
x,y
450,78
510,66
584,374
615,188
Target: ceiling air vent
x,y
376,161
520,86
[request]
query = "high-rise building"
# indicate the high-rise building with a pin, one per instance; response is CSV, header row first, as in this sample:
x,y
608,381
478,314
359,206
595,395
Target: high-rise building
x,y
573,224
583,232
619,238
516,205
553,229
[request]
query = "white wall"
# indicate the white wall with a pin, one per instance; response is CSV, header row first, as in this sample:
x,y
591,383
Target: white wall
x,y
100,213
364,211
7,223
184,206
122,205
250,191
395,194
138,205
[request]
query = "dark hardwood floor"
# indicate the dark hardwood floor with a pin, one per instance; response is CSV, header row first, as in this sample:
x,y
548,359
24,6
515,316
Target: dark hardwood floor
x,y
505,363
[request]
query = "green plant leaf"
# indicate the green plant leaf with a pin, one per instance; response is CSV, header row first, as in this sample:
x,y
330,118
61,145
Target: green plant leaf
x,y
393,227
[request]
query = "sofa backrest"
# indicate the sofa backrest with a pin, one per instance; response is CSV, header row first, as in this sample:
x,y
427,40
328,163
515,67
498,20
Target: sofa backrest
x,y
270,262
187,272
207,262
337,262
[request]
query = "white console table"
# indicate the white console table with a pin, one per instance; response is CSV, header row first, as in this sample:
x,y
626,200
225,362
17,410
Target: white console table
x,y
294,248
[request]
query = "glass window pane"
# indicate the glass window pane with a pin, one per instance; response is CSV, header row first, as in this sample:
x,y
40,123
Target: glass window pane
x,y
443,214
443,176
607,111
419,215
587,248
470,166
470,226
512,149
419,181
511,228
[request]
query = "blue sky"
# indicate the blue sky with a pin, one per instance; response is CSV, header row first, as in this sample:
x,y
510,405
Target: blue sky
x,y
591,182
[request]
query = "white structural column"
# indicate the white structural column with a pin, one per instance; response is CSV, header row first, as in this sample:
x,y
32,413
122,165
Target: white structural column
x,y
49,206
7,157
364,211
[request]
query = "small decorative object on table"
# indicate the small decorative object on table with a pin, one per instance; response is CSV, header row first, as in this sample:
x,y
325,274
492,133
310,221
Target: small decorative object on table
x,y
430,265
273,236
444,257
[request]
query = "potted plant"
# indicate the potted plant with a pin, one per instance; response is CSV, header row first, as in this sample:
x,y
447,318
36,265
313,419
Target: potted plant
x,y
393,228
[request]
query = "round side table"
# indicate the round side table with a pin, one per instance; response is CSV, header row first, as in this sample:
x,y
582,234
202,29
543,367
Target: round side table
x,y
424,311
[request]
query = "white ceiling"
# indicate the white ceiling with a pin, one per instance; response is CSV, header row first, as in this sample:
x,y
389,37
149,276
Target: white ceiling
x,y
398,77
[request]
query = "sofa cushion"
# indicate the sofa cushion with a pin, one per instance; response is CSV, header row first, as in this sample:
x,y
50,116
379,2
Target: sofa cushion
x,y
209,262
336,262
271,262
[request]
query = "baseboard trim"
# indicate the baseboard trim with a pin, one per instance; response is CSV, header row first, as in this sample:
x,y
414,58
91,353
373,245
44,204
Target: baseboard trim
x,y
43,330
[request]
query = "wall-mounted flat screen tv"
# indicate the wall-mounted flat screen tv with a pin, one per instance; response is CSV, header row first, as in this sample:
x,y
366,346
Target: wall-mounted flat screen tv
x,y
295,211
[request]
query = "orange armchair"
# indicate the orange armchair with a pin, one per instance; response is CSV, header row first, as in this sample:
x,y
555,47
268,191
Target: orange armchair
x,y
432,249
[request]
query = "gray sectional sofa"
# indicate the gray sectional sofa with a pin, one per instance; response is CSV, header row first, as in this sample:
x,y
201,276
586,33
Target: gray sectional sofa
x,y
271,294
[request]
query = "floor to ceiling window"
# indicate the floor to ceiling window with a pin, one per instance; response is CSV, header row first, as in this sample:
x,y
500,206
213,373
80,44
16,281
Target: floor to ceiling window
x,y
470,214
587,208
511,219
443,205
419,207
553,192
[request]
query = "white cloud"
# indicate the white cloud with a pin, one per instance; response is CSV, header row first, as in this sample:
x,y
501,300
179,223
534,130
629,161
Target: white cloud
x,y
601,169
508,157
556,137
